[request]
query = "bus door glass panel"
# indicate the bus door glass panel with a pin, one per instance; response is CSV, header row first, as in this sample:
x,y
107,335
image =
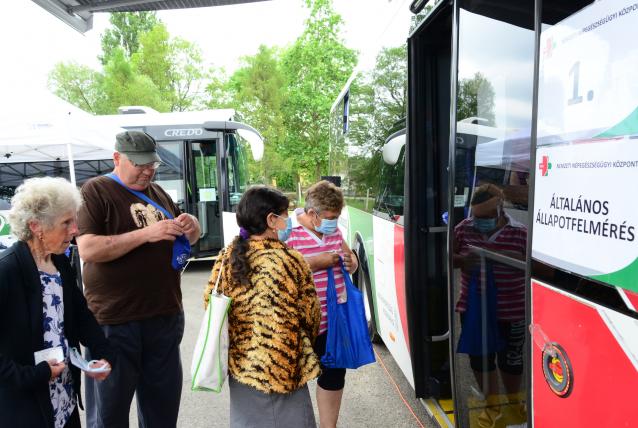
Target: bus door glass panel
x,y
170,174
237,167
204,193
489,217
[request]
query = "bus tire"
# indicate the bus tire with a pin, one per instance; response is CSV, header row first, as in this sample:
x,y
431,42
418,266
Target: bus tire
x,y
362,281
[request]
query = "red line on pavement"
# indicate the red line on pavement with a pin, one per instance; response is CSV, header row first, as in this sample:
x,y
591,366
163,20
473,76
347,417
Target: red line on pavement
x,y
398,390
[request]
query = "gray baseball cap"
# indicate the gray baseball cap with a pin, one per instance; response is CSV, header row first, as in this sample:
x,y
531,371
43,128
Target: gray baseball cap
x,y
138,146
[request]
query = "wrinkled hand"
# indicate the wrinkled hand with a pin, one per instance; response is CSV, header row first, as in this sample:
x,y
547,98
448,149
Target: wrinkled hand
x,y
351,262
102,375
165,230
56,368
325,260
187,223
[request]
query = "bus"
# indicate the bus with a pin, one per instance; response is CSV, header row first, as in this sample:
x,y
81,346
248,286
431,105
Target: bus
x,y
205,168
530,98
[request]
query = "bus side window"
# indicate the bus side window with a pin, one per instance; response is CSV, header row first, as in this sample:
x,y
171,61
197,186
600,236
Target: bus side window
x,y
390,196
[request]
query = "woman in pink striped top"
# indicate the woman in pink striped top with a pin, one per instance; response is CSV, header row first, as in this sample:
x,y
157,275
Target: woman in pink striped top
x,y
320,241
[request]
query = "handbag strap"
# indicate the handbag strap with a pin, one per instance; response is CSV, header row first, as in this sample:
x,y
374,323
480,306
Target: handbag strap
x,y
140,195
219,275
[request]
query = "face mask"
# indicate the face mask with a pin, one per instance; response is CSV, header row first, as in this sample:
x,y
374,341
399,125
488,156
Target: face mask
x,y
327,227
284,234
485,225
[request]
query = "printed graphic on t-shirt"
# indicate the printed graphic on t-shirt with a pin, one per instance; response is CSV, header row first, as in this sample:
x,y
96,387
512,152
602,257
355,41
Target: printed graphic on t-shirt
x,y
145,215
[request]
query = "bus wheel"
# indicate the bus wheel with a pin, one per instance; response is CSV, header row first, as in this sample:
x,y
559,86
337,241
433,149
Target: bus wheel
x,y
362,281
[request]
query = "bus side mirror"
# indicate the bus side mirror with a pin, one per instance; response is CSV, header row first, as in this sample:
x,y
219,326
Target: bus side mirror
x,y
392,148
255,141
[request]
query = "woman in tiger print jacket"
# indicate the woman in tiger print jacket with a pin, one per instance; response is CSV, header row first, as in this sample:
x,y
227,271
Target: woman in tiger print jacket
x,y
273,320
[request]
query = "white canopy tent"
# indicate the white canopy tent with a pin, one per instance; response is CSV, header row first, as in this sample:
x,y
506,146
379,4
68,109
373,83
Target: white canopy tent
x,y
40,127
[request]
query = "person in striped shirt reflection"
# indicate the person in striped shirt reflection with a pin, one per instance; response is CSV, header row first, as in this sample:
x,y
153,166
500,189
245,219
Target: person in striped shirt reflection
x,y
320,241
495,292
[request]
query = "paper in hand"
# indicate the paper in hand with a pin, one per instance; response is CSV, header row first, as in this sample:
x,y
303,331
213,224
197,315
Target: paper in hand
x,y
78,361
51,354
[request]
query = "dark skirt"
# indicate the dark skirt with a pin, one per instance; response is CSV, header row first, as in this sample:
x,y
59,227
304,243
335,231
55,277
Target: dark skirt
x,y
250,408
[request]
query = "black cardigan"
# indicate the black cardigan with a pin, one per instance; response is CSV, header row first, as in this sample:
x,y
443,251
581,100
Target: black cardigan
x,y
24,388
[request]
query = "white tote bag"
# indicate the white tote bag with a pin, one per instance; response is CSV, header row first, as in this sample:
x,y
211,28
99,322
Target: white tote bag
x,y
210,358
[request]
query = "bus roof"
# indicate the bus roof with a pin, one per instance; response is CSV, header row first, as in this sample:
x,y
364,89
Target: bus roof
x,y
167,119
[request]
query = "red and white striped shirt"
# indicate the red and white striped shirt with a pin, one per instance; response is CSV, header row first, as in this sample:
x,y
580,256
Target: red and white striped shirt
x,y
309,244
510,281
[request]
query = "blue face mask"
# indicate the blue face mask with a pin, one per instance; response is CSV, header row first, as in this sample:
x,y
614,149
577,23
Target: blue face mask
x,y
327,227
284,234
485,225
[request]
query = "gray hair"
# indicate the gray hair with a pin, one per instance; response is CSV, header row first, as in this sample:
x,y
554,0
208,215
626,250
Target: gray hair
x,y
43,200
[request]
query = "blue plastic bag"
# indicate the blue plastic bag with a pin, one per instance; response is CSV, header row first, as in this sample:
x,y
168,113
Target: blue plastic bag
x,y
480,334
348,344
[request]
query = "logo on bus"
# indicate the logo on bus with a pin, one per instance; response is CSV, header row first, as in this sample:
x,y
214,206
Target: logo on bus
x,y
188,132
557,369
545,166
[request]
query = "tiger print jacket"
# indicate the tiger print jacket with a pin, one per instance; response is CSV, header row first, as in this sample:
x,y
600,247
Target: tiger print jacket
x,y
273,322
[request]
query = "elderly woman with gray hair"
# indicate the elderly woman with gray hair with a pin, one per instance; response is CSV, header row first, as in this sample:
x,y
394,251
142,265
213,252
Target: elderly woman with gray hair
x,y
43,315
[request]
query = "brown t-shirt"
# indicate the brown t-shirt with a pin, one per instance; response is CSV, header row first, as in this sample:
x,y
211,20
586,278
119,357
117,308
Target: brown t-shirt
x,y
142,283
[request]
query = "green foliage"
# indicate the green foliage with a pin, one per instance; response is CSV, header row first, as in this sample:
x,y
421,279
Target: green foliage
x,y
476,99
286,94
127,27
123,85
174,65
256,90
315,67
142,65
79,85
378,103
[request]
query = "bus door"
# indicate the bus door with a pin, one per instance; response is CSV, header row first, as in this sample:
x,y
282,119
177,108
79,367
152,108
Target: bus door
x,y
489,211
584,285
204,192
426,212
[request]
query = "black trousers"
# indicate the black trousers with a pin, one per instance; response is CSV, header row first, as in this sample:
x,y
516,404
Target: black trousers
x,y
149,365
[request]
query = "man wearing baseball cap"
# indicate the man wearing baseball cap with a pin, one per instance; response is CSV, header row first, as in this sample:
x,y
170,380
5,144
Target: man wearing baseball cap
x,y
128,230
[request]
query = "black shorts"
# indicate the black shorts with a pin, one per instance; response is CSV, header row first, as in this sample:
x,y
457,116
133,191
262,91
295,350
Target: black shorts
x,y
510,359
330,379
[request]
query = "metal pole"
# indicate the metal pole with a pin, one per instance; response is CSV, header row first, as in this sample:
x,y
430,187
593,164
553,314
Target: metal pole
x,y
69,151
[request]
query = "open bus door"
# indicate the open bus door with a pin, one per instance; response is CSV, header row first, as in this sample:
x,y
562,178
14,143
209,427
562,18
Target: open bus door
x,y
566,122
470,71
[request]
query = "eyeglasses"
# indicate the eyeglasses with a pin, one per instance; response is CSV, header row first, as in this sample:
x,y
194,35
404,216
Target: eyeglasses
x,y
151,165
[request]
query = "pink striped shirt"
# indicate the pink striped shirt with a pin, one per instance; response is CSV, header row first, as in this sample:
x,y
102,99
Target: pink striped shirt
x,y
510,282
309,244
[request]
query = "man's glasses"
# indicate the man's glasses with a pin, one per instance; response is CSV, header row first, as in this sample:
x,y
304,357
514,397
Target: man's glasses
x,y
152,165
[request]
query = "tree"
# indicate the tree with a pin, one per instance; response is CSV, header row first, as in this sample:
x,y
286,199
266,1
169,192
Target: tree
x,y
315,66
174,65
378,107
123,85
79,85
476,99
256,91
126,30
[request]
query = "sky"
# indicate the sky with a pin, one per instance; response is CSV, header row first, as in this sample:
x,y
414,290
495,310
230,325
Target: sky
x,y
33,40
